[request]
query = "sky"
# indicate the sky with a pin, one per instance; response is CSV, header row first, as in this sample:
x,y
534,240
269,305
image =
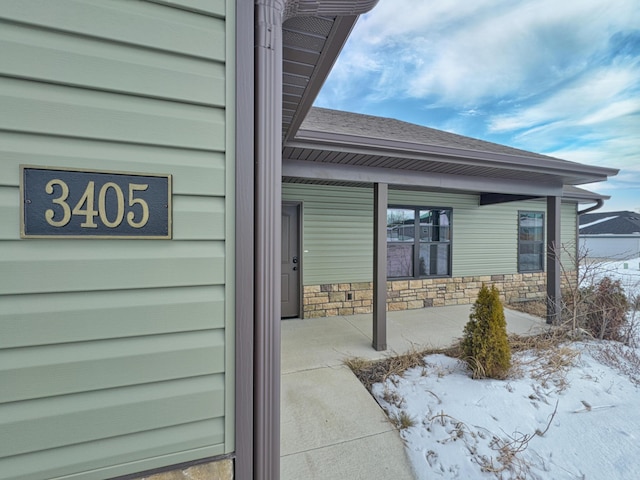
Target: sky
x,y
556,78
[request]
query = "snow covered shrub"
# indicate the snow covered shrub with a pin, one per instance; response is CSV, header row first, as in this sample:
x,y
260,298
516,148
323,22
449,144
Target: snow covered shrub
x,y
606,310
484,343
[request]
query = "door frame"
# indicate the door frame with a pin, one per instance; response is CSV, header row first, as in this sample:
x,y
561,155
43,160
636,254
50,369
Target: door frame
x,y
299,207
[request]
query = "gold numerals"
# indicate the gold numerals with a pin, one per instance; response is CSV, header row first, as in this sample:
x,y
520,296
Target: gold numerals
x,y
85,207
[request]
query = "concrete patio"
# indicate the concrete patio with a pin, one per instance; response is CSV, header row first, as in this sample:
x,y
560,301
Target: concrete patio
x,y
331,427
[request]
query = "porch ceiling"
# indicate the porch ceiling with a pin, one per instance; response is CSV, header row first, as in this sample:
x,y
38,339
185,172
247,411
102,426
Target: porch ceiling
x,y
421,162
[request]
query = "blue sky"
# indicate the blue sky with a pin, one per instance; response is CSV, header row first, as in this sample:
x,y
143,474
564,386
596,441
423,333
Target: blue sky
x,y
557,78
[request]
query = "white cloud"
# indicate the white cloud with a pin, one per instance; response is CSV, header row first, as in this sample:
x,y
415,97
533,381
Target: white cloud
x,y
466,52
559,78
594,98
617,109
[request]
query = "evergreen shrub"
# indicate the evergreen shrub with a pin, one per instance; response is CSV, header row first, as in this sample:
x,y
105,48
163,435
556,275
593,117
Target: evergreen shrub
x,y
484,343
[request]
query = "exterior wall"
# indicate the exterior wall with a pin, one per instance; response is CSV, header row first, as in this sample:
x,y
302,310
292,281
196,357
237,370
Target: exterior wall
x,y
337,238
617,247
338,251
352,298
117,355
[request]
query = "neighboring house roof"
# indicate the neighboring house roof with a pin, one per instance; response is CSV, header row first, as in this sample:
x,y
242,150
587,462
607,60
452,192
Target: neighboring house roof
x,y
610,223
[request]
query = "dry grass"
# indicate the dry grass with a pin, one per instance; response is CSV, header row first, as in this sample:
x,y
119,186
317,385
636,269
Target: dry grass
x,y
548,348
510,451
550,357
370,372
508,461
544,341
403,420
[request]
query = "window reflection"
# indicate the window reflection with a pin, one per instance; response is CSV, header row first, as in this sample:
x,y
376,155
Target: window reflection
x,y
423,255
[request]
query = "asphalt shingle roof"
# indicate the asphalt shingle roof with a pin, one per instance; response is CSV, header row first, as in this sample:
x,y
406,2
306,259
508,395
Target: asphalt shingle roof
x,y
369,126
610,223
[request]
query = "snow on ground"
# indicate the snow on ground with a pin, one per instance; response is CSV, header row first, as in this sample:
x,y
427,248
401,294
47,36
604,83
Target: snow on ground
x,y
567,415
588,427
627,271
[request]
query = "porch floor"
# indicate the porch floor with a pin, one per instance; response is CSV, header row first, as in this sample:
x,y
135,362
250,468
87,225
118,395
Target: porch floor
x,y
331,427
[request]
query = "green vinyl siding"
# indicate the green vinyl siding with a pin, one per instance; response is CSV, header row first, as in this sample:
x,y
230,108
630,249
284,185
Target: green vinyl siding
x,y
338,230
568,229
486,239
116,356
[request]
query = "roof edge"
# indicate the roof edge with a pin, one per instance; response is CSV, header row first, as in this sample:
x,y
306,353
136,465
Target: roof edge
x,y
312,8
402,148
574,193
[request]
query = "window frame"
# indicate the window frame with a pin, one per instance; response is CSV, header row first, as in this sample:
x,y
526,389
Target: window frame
x,y
416,242
531,242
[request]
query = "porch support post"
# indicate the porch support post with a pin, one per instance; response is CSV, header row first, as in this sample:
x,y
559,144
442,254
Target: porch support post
x,y
268,245
554,293
380,196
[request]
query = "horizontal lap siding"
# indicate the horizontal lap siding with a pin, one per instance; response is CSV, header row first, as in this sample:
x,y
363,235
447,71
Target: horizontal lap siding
x,y
568,236
338,231
113,353
485,240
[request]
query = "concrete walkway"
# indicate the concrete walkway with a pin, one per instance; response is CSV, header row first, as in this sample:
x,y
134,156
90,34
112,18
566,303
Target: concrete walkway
x,y
332,429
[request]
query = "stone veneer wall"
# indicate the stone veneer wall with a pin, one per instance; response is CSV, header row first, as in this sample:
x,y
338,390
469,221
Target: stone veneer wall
x,y
216,470
352,298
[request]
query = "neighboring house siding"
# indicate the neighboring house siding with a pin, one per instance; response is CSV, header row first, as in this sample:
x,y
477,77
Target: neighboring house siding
x,y
338,231
114,354
620,247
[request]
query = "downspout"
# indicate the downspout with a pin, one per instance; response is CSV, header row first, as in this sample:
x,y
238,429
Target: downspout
x,y
269,17
267,233
599,204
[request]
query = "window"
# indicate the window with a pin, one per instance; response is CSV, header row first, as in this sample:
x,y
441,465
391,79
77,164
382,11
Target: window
x,y
426,254
530,241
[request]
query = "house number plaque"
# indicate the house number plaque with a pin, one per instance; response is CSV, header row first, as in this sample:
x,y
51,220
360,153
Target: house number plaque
x,y
94,204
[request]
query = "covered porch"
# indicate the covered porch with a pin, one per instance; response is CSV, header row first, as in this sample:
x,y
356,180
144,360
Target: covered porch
x,y
341,149
331,426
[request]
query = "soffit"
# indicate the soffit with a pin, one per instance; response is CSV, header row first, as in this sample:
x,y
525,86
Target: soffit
x,y
436,164
310,47
569,193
